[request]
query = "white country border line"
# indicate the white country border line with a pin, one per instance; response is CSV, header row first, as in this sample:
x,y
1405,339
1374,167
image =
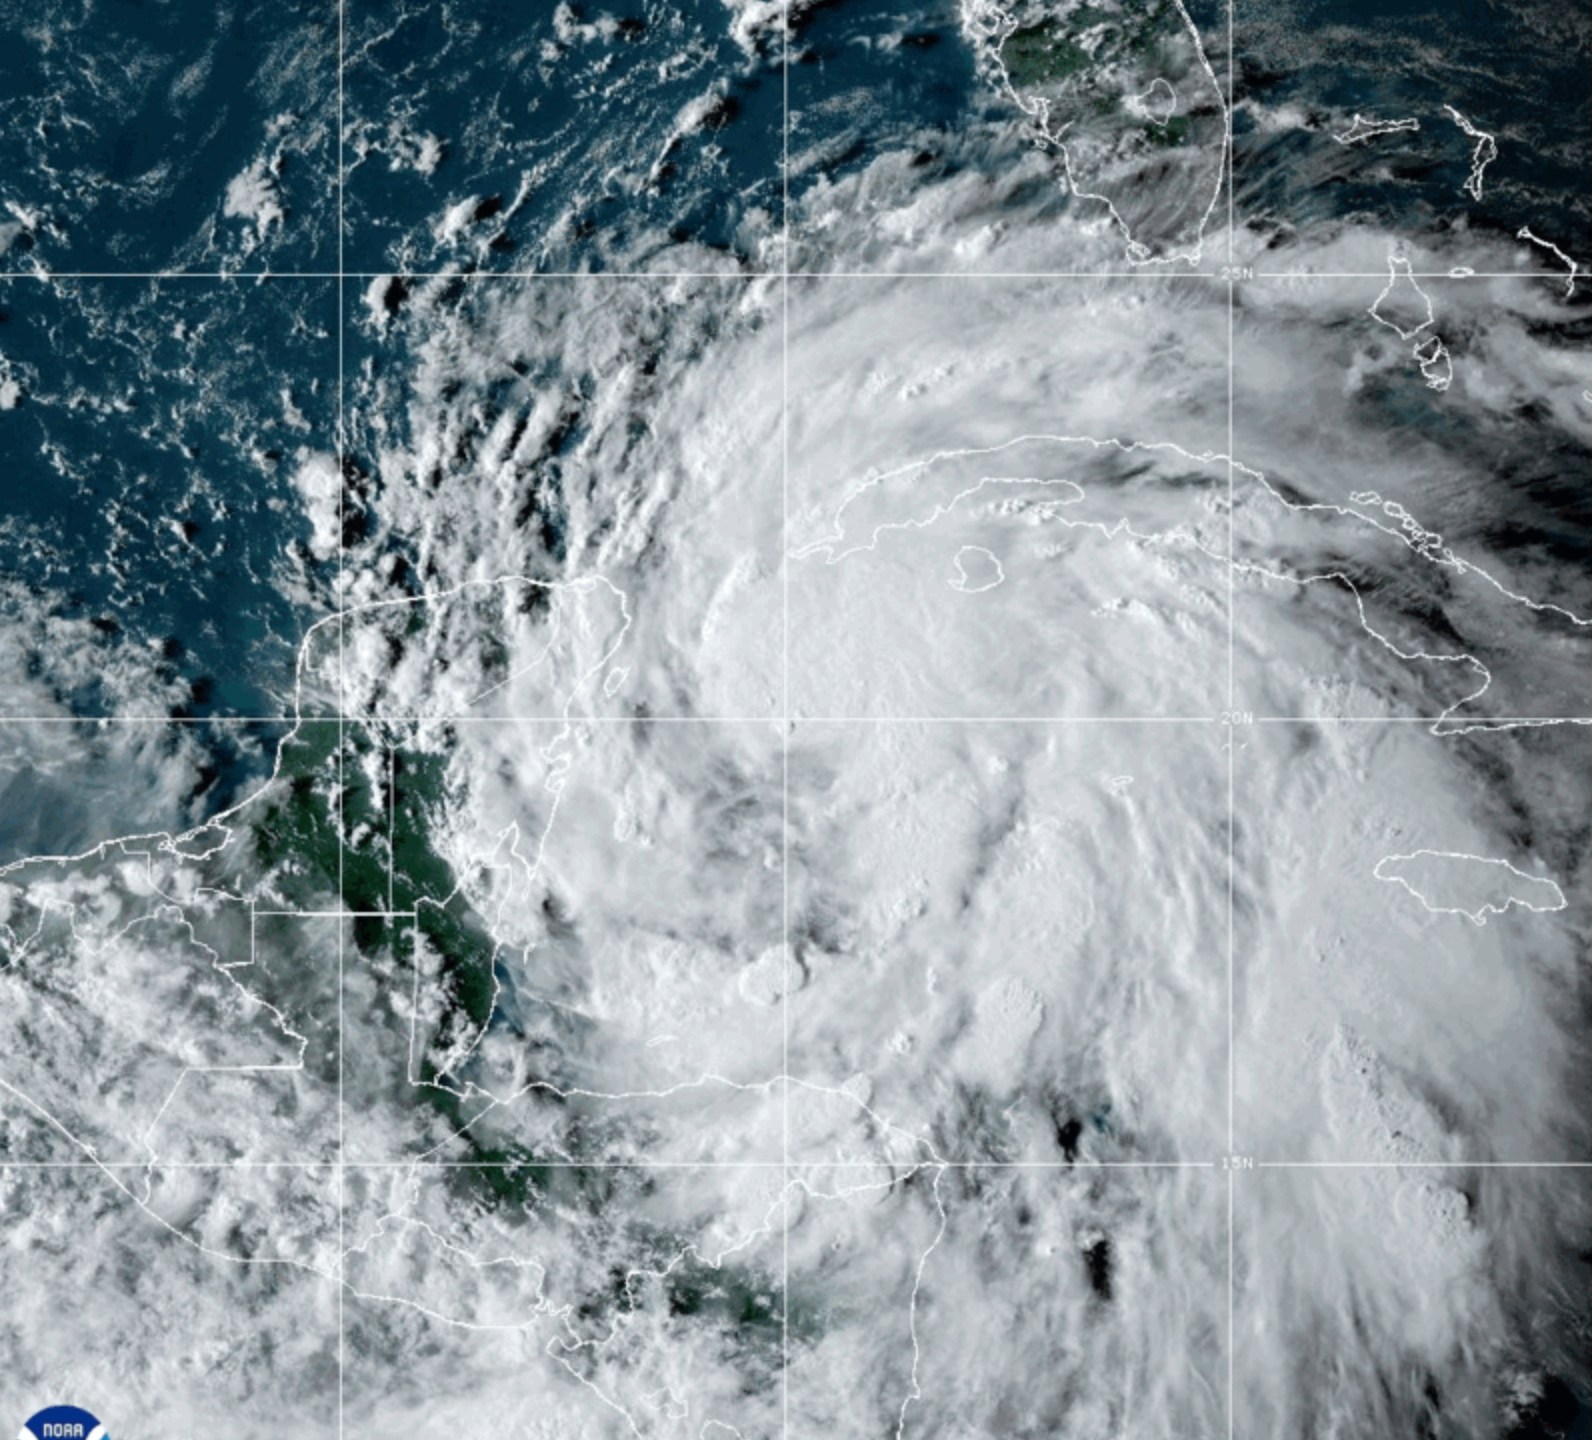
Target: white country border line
x,y
1363,129
1478,914
1484,153
1426,544
1525,233
987,19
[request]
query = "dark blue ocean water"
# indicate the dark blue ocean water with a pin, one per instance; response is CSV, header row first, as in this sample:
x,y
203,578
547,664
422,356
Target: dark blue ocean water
x,y
1518,71
122,124
879,75
566,133
148,467
148,478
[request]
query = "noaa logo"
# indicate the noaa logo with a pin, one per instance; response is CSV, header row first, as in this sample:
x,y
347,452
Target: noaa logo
x,y
63,1422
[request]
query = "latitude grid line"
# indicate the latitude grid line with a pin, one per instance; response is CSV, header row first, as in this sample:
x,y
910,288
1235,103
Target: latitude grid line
x,y
784,277
421,1163
1458,724
764,276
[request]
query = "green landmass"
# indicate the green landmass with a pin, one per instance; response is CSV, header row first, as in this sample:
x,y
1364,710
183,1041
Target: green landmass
x,y
1040,53
1174,132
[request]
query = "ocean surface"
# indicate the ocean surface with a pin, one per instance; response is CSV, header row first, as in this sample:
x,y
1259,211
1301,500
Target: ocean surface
x,y
735,717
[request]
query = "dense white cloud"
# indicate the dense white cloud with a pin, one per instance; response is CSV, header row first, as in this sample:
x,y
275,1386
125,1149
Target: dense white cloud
x,y
775,845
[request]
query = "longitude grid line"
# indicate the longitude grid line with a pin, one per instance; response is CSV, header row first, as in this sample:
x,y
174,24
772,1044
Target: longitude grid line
x,y
784,732
342,705
1232,686
342,274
